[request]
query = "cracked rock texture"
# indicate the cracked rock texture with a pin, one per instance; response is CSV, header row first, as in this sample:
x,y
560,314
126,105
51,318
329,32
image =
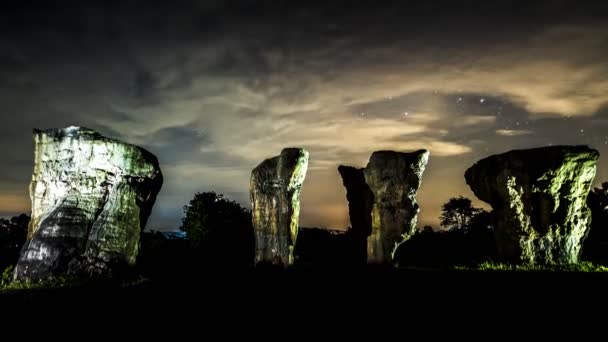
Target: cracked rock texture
x,y
394,178
275,196
382,200
91,197
538,198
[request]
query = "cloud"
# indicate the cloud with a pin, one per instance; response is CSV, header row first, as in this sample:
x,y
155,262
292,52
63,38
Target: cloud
x,y
214,97
512,132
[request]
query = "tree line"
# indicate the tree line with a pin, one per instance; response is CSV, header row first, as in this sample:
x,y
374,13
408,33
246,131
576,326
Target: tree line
x,y
219,234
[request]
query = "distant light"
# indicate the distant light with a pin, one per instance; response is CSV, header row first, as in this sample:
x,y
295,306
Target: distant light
x,y
482,100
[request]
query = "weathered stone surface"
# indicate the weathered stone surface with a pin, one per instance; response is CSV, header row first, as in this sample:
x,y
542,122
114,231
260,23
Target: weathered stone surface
x,y
394,178
538,198
91,197
382,200
275,196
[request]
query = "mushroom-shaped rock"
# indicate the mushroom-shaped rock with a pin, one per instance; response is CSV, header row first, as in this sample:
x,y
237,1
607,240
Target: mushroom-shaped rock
x,y
91,197
538,198
275,196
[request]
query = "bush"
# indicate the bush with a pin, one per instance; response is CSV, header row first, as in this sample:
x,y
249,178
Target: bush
x,y
219,230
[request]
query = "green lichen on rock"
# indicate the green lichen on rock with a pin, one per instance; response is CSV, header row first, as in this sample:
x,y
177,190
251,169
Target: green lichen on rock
x,y
538,198
91,197
393,179
275,196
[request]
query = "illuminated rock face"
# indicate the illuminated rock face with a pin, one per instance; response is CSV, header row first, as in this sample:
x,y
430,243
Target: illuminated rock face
x,y
91,197
394,178
538,198
275,196
382,200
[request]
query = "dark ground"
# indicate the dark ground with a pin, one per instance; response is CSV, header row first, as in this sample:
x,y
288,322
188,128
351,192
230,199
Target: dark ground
x,y
278,296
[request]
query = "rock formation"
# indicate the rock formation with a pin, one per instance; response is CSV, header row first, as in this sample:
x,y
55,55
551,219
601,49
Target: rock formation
x,y
91,198
394,178
386,188
538,198
360,202
275,196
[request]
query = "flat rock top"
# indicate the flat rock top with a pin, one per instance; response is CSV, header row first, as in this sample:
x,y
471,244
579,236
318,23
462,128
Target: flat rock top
x,y
543,152
88,135
414,156
534,160
286,170
392,166
77,132
289,156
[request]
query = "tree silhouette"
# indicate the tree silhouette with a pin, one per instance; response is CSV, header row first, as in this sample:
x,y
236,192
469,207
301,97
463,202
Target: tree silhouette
x,y
467,238
13,233
427,229
458,213
220,229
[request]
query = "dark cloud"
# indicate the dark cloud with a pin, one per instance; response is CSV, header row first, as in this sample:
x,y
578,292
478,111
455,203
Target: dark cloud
x,y
176,145
144,83
214,87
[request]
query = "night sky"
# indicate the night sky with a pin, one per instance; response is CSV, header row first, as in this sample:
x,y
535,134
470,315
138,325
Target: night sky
x,y
214,87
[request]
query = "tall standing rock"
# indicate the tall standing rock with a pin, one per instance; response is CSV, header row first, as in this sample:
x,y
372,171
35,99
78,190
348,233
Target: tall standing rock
x,y
91,198
360,202
275,196
382,200
538,198
394,178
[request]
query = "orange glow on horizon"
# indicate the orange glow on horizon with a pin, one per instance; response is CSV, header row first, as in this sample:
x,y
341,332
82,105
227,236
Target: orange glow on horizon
x,y
14,203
